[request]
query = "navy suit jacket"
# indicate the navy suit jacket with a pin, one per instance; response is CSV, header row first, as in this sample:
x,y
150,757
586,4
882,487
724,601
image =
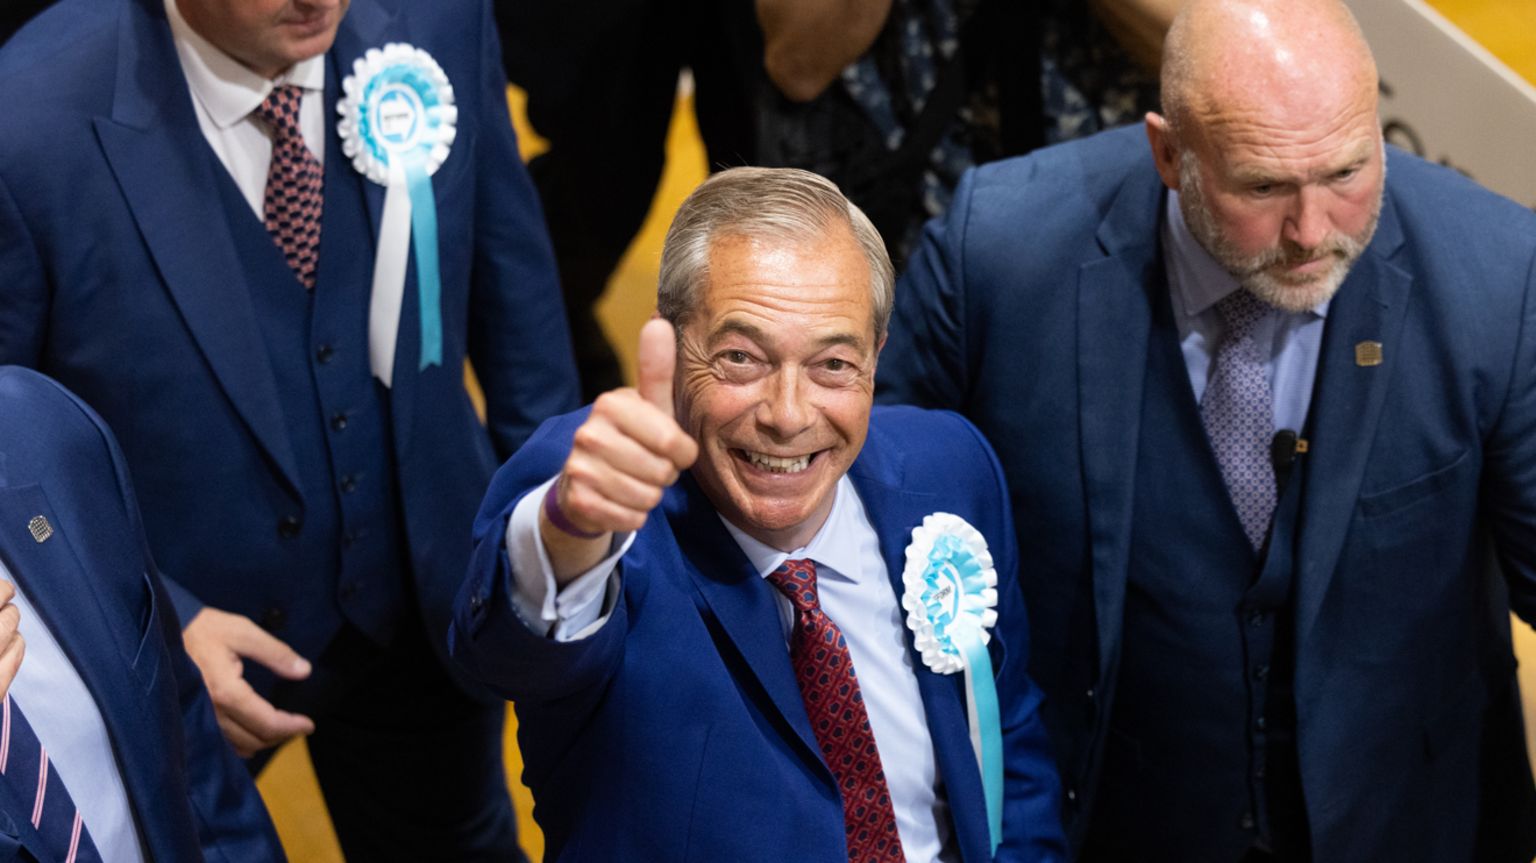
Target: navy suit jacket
x,y
120,278
96,588
1037,330
676,731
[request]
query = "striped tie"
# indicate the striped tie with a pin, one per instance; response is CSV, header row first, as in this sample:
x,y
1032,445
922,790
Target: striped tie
x,y
40,792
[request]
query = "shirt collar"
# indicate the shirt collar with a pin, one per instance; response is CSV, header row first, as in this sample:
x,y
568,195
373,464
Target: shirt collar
x,y
227,90
1198,281
835,546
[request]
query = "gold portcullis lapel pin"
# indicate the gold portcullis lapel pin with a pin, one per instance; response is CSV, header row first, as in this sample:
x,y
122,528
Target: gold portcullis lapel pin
x,y
40,528
1367,354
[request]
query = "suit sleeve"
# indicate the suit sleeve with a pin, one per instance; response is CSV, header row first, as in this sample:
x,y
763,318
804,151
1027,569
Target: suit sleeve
x,y
1032,828
232,822
24,294
488,638
1510,470
519,343
924,361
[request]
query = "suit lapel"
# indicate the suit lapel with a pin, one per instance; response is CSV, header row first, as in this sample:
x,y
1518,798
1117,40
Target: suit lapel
x,y
363,27
100,645
1113,323
894,512
1346,408
163,165
744,606
368,25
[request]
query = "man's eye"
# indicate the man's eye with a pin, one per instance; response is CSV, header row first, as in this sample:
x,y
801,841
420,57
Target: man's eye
x,y
1346,173
836,365
737,357
1262,189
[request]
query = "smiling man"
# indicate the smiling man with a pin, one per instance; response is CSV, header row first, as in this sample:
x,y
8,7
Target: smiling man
x,y
676,598
1263,390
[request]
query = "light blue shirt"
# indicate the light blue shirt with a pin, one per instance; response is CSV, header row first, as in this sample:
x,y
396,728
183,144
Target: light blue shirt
x,y
1292,339
856,593
67,721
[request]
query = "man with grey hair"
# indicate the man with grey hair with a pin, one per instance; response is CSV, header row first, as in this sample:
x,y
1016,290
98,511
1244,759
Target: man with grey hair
x,y
676,599
1259,407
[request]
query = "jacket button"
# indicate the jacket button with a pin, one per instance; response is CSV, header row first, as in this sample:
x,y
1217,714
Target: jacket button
x,y
475,602
339,421
349,483
324,353
288,527
273,619
1246,822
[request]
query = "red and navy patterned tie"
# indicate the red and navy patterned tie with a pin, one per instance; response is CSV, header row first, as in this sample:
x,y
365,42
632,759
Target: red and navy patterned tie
x,y
292,205
34,781
1238,412
835,705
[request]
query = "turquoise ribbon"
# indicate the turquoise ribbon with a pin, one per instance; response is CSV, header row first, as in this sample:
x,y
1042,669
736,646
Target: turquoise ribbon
x,y
952,572
428,281
418,184
982,691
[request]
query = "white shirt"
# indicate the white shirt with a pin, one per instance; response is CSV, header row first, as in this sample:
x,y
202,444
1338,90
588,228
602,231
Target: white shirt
x,y
225,92
856,593
67,721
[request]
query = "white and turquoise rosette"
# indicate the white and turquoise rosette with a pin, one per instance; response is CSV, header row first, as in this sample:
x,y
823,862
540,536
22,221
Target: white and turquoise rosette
x,y
950,596
397,126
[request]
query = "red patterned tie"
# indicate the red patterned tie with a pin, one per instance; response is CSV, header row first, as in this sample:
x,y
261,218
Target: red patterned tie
x,y
291,208
34,782
830,689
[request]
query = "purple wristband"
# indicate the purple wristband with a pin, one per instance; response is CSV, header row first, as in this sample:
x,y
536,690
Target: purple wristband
x,y
558,519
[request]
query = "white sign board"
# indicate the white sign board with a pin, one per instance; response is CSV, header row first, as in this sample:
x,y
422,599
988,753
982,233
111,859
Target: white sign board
x,y
1447,99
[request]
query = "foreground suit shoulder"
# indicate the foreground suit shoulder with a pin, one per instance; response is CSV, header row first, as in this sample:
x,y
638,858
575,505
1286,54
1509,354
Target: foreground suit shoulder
x,y
95,586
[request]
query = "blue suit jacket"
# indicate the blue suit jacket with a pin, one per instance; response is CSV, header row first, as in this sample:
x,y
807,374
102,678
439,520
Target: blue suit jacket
x,y
1037,330
96,588
676,732
121,279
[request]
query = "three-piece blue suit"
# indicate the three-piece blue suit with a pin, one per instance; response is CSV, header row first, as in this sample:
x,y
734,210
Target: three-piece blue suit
x,y
1054,335
279,479
677,731
93,582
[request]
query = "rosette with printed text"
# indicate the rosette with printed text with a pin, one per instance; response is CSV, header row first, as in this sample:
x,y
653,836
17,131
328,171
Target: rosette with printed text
x,y
950,596
397,125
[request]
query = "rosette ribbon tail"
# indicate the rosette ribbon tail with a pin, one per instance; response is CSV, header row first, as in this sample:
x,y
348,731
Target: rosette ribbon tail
x,y
986,728
428,277
389,263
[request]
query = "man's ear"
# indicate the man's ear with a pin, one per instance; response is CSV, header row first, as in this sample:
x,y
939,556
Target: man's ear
x,y
1165,149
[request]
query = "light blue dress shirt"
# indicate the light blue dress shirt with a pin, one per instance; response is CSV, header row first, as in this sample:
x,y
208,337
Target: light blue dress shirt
x,y
856,593
67,721
1292,339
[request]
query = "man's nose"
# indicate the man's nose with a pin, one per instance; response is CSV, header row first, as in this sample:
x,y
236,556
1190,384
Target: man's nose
x,y
785,409
1307,224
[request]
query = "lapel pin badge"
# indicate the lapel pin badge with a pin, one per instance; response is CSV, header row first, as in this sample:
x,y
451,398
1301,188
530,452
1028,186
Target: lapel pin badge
x,y
1367,354
40,528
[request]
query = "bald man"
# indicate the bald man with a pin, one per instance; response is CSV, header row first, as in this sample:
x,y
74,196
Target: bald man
x,y
1264,391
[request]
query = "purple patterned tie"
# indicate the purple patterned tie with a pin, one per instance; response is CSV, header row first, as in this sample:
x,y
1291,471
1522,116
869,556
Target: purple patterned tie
x,y
1238,413
294,197
835,705
34,781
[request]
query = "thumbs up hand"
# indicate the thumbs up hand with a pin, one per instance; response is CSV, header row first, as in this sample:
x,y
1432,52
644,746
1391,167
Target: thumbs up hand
x,y
622,459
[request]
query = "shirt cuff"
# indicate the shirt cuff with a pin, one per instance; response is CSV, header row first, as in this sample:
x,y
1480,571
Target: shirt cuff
x,y
564,614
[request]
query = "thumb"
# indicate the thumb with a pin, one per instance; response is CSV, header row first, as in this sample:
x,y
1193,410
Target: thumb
x,y
658,360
